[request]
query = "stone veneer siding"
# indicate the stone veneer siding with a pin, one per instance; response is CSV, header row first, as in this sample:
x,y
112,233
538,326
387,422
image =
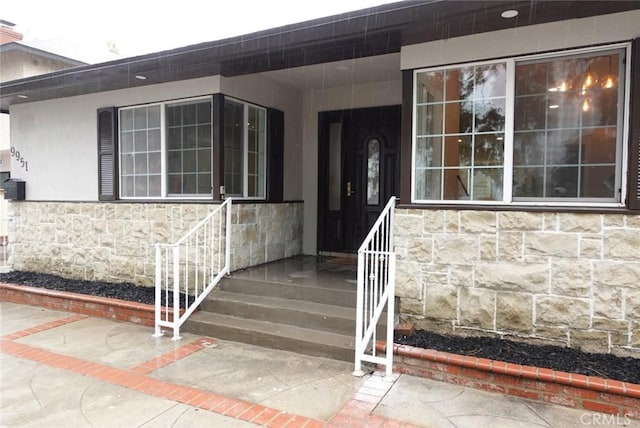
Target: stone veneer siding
x,y
558,278
116,241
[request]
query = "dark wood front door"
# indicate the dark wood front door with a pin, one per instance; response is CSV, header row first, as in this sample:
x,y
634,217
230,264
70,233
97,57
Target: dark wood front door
x,y
358,173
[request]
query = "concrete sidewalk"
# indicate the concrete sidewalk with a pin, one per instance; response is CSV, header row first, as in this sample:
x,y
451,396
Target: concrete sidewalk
x,y
62,369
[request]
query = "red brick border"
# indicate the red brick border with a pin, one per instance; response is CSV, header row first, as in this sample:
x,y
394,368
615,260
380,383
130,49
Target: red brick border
x,y
115,309
565,389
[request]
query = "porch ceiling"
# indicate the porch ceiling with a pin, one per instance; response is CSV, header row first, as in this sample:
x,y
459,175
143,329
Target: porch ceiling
x,y
365,33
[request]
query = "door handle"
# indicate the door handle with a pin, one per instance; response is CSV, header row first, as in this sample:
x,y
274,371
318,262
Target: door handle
x,y
350,191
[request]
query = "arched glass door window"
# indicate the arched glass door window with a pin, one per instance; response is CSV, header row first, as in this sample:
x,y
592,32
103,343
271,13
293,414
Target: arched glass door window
x,y
373,172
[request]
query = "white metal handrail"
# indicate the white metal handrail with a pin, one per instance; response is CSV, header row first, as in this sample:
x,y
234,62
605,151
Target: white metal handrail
x,y
376,291
192,266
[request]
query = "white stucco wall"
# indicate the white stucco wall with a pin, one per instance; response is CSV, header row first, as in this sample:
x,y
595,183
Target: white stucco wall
x,y
58,138
615,27
328,99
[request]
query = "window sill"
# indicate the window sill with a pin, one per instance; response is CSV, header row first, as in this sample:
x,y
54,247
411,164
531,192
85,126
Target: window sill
x,y
522,207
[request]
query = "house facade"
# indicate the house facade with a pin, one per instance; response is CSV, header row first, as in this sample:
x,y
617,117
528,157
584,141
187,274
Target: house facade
x,y
509,131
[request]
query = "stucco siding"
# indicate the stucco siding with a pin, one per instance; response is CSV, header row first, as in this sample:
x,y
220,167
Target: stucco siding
x,y
532,39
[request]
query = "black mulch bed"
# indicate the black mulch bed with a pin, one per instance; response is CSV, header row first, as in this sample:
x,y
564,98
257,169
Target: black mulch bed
x,y
122,290
626,369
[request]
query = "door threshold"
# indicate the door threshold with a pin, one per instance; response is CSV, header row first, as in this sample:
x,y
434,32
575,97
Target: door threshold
x,y
341,254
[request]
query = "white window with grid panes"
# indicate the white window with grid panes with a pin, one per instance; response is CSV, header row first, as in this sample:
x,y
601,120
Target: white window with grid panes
x,y
543,130
165,150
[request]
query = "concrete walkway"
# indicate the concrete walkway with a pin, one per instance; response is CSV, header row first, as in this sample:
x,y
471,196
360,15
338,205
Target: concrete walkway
x,y
60,369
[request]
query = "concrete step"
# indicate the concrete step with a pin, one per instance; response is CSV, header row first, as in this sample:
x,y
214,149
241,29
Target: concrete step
x,y
272,335
318,294
318,316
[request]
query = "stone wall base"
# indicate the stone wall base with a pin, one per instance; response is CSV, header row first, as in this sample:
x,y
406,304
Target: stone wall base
x,y
566,389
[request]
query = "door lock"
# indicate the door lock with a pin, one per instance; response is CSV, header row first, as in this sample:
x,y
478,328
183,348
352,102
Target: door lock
x,y
350,191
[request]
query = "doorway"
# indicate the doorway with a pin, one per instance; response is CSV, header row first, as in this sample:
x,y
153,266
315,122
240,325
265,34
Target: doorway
x,y
358,172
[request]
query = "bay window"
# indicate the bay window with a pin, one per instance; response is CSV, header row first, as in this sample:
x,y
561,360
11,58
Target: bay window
x,y
545,129
166,150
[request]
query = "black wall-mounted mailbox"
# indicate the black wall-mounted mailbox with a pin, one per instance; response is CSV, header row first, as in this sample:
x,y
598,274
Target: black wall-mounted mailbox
x,y
14,189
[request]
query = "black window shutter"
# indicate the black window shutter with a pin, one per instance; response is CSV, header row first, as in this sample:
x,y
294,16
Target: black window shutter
x,y
275,154
107,154
634,136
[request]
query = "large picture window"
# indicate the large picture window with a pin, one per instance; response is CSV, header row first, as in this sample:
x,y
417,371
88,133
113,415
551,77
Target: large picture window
x,y
527,130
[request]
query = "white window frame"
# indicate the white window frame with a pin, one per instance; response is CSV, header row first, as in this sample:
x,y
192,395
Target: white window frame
x,y
164,194
245,152
623,131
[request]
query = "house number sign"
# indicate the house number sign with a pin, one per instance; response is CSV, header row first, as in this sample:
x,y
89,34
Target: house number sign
x,y
16,154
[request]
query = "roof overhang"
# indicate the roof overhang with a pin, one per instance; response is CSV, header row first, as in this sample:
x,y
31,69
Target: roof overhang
x,y
369,32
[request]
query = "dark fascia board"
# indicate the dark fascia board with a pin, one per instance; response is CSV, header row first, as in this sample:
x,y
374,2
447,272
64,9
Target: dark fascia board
x,y
21,47
368,32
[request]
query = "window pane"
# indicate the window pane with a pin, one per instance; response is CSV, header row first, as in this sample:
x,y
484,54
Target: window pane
x,y
155,163
233,147
204,136
575,143
532,79
140,141
530,112
189,137
428,184
562,147
140,163
529,148
430,87
562,182
428,152
489,115
489,149
598,181
126,164
174,162
189,114
459,83
459,117
153,116
487,184
458,150
429,119
528,182
373,172
599,146
204,160
127,186
335,166
189,161
140,118
154,142
126,120
155,185
457,183
126,142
